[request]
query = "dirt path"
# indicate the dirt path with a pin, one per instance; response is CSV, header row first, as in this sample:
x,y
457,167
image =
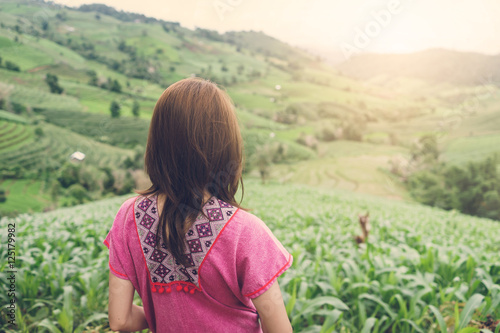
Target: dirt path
x,y
36,69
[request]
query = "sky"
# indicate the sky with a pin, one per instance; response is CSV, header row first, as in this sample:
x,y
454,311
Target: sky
x,y
339,27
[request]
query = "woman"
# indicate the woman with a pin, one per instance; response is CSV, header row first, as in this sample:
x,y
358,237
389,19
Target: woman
x,y
199,262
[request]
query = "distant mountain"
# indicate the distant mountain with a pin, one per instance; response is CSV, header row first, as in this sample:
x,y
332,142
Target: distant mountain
x,y
435,65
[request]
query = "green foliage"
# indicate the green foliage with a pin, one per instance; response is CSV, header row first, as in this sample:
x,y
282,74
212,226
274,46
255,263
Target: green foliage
x,y
62,16
39,131
3,195
115,86
52,81
137,160
93,81
68,174
472,189
124,131
136,108
115,108
78,192
12,66
18,108
121,15
425,151
55,190
419,267
289,115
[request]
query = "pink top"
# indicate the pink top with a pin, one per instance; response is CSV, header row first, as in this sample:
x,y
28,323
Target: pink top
x,y
232,257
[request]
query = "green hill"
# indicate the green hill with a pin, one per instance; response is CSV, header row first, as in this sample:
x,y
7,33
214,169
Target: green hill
x,y
423,269
320,126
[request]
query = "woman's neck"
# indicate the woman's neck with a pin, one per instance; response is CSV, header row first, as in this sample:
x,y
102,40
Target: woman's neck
x,y
162,197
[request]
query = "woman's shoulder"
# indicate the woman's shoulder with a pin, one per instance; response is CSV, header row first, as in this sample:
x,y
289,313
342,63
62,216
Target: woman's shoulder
x,y
245,219
125,212
129,203
247,225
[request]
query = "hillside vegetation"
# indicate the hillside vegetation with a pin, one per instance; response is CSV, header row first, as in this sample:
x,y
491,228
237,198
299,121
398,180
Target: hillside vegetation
x,y
63,69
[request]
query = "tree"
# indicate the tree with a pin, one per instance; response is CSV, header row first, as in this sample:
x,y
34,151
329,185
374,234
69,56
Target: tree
x,y
55,191
78,192
263,161
115,109
12,66
52,81
18,108
135,108
92,77
473,189
39,132
3,197
425,151
115,86
68,175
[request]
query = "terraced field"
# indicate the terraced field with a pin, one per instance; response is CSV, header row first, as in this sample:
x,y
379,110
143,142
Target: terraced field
x,y
350,166
24,195
13,135
54,148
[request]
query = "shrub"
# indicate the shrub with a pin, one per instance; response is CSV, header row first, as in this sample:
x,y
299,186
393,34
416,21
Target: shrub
x,y
12,66
473,189
78,192
18,108
68,175
39,131
54,86
3,196
115,108
135,108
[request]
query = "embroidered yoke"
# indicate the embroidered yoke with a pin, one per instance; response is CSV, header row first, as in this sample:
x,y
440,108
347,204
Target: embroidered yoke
x,y
163,269
231,256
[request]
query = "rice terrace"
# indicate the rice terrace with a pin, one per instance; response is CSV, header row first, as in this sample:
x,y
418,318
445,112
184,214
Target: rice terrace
x,y
379,173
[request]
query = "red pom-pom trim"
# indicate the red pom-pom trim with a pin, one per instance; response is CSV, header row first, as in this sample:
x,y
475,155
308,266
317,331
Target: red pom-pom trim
x,y
168,288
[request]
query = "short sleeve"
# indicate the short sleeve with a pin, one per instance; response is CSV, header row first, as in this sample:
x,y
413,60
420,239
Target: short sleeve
x,y
115,241
261,258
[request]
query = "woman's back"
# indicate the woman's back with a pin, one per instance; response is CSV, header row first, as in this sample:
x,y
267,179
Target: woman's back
x,y
232,257
198,261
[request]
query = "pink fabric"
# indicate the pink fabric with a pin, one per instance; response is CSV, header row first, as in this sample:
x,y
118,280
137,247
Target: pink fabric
x,y
243,262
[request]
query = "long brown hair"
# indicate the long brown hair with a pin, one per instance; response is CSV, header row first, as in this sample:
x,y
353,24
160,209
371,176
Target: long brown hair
x,y
194,145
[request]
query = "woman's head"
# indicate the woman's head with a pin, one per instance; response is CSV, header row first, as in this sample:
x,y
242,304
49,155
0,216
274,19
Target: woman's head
x,y
194,146
194,141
